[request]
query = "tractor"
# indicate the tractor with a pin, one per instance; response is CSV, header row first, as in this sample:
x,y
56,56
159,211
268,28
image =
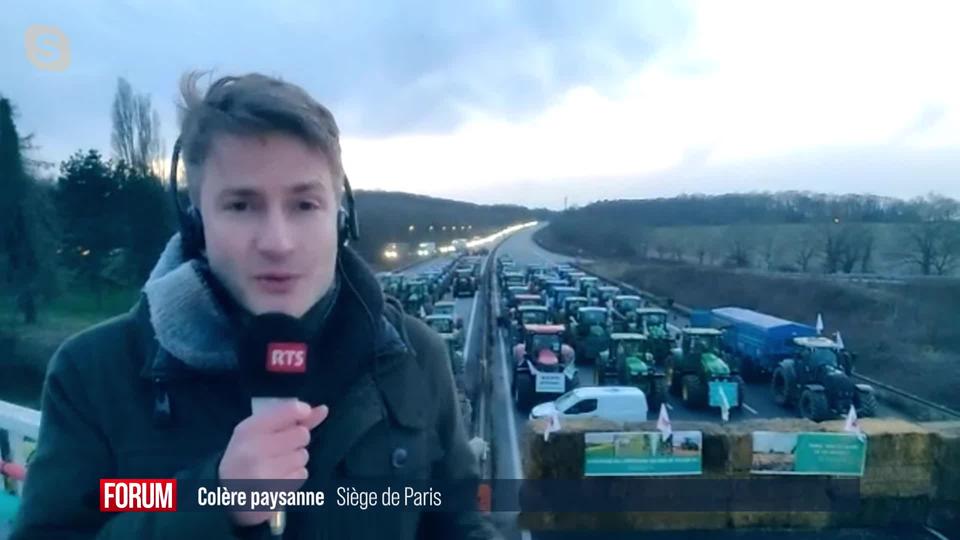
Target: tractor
x,y
416,298
588,330
456,355
569,308
525,315
624,316
816,380
588,286
653,324
464,284
607,293
448,307
543,366
555,302
699,373
446,327
627,362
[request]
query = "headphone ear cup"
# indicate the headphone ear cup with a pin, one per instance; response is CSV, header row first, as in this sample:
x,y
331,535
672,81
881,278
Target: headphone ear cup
x,y
342,233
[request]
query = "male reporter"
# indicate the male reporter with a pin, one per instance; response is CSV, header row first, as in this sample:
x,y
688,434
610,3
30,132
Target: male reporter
x,y
158,393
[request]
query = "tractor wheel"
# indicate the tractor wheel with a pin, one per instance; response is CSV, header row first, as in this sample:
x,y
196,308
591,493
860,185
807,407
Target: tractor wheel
x,y
523,391
814,406
781,383
657,395
741,387
691,391
868,404
675,383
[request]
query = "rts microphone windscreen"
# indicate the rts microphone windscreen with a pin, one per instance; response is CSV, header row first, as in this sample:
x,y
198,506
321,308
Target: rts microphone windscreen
x,y
274,355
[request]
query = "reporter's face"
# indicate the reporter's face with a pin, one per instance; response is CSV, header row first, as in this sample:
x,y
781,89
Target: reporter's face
x,y
270,221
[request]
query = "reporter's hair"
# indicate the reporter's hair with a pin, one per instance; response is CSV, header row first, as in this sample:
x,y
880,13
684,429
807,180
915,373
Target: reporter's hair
x,y
251,105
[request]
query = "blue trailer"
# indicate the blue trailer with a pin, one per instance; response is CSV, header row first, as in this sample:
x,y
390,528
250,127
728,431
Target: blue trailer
x,y
758,340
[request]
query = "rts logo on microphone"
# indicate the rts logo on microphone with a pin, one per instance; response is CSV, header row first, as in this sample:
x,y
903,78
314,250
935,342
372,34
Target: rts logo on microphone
x,y
287,357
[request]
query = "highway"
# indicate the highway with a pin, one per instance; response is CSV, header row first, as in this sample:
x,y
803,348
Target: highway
x,y
509,423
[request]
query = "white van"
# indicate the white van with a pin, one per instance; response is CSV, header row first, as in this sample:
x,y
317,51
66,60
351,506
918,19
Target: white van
x,y
613,403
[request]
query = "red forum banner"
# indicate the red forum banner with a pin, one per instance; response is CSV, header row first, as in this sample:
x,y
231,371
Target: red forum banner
x,y
138,495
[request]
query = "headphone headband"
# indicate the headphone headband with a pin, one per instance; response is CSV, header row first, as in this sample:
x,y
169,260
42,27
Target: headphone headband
x,y
191,224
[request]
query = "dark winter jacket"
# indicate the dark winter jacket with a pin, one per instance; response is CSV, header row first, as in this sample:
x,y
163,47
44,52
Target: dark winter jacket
x,y
155,393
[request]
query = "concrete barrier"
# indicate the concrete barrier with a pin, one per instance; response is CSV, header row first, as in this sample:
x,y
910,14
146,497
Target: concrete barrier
x,y
911,476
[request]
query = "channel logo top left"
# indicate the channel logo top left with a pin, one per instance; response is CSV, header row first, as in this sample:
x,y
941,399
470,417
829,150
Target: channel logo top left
x,y
47,47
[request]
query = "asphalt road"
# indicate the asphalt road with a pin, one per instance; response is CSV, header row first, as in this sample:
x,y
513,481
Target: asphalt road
x,y
508,422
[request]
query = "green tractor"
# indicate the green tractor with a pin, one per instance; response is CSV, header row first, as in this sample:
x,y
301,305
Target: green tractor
x,y
447,327
589,286
588,330
653,324
628,362
699,373
624,314
607,294
416,298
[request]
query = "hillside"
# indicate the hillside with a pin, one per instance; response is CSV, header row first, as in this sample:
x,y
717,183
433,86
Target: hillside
x,y
388,217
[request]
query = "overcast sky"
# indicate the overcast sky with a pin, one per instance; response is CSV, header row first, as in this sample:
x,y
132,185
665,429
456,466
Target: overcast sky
x,y
530,101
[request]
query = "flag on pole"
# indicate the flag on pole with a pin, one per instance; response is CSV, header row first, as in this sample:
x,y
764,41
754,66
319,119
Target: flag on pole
x,y
553,424
839,341
819,324
853,424
724,406
663,423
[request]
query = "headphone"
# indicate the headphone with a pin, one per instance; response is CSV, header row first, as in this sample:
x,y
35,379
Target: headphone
x,y
191,224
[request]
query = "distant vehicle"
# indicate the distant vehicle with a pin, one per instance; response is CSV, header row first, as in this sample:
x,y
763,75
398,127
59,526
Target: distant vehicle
x,y
427,249
611,403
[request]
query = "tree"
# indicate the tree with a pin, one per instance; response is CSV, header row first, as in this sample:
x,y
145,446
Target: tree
x,y
136,130
146,227
934,246
26,228
740,244
89,205
806,248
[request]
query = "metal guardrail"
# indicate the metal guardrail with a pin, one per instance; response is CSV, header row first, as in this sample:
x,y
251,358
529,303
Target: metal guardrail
x,y
19,426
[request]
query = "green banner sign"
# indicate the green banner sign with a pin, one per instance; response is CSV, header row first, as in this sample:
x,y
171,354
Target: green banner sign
x,y
728,389
815,453
643,453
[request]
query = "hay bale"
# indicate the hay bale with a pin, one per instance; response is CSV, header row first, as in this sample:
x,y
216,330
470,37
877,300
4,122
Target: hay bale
x,y
886,512
793,520
947,459
892,440
894,480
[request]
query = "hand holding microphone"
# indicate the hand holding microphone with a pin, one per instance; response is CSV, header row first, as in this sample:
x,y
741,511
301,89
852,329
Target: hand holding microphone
x,y
272,443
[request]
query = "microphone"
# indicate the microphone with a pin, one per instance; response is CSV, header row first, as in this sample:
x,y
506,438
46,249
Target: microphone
x,y
273,358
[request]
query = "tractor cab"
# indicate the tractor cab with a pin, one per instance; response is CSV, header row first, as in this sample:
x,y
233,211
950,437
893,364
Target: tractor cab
x,y
653,322
607,294
571,305
628,362
446,327
701,374
448,308
532,315
624,313
700,340
820,352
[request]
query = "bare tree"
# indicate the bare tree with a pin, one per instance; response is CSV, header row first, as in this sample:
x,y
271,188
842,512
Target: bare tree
x,y
740,244
934,246
806,248
136,130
